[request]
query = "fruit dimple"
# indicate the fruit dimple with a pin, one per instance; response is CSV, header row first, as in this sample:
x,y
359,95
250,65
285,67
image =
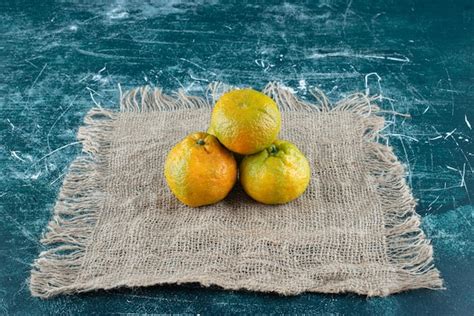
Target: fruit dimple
x,y
272,149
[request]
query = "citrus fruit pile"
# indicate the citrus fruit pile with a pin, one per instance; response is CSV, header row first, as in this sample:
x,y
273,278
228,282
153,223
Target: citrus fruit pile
x,y
202,169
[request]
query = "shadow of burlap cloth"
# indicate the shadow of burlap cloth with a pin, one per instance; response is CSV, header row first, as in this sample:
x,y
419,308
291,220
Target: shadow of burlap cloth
x,y
116,223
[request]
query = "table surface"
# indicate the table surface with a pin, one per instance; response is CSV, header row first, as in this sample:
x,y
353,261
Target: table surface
x,y
56,58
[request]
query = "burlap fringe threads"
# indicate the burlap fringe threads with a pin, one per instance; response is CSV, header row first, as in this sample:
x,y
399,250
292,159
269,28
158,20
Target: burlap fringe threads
x,y
75,213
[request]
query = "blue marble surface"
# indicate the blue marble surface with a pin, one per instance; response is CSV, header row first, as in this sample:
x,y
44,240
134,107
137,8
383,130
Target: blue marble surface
x,y
57,58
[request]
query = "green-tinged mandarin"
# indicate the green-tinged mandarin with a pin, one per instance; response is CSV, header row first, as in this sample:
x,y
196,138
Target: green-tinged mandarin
x,y
245,121
199,170
276,175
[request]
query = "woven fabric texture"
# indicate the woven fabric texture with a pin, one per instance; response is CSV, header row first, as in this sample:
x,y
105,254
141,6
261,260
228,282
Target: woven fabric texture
x,y
116,223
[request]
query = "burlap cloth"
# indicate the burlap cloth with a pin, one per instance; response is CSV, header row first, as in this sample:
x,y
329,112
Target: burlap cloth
x,y
116,223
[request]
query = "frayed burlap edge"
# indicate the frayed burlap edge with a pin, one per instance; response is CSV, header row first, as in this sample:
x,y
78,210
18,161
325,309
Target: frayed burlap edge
x,y
82,194
76,210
